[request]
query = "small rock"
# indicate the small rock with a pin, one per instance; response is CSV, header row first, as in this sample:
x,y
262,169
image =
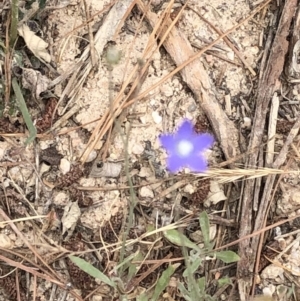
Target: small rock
x,y
247,123
61,199
192,107
92,156
272,271
145,172
44,168
269,290
146,192
143,119
5,242
3,147
176,82
215,195
137,149
190,189
230,55
64,166
156,117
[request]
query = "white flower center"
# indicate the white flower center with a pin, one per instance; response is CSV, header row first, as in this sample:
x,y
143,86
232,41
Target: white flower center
x,y
184,148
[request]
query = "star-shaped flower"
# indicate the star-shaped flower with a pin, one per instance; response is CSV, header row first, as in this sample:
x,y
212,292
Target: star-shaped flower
x,y
185,148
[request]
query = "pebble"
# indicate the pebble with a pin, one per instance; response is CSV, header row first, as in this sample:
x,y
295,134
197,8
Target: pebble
x,y
247,123
5,241
146,192
64,166
137,149
92,156
145,172
230,55
189,188
156,117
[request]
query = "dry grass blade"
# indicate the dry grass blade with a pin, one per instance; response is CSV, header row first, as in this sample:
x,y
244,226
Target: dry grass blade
x,y
21,219
230,175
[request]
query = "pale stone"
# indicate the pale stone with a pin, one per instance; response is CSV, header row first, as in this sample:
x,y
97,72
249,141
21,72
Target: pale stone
x,y
230,55
272,271
3,147
44,168
145,172
247,123
61,199
64,166
156,117
5,242
92,156
146,192
190,189
137,149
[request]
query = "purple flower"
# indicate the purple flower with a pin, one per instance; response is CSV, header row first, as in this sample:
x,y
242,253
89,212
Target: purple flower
x,y
185,148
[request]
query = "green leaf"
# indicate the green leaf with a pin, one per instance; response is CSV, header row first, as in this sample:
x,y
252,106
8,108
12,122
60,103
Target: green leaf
x,y
201,283
192,268
227,256
150,228
126,262
163,281
14,16
224,281
178,239
184,292
204,225
24,111
92,271
133,267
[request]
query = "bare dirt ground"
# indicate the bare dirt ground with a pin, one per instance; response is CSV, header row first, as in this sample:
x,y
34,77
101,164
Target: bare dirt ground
x,y
102,80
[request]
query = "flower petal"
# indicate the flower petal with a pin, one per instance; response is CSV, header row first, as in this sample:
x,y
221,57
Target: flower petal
x,y
167,141
202,141
185,130
184,148
197,164
174,163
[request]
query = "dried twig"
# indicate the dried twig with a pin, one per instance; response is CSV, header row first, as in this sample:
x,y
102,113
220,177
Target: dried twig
x,y
272,130
266,89
293,67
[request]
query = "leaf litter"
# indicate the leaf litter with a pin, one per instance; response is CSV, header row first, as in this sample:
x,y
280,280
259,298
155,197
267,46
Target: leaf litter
x,y
88,116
